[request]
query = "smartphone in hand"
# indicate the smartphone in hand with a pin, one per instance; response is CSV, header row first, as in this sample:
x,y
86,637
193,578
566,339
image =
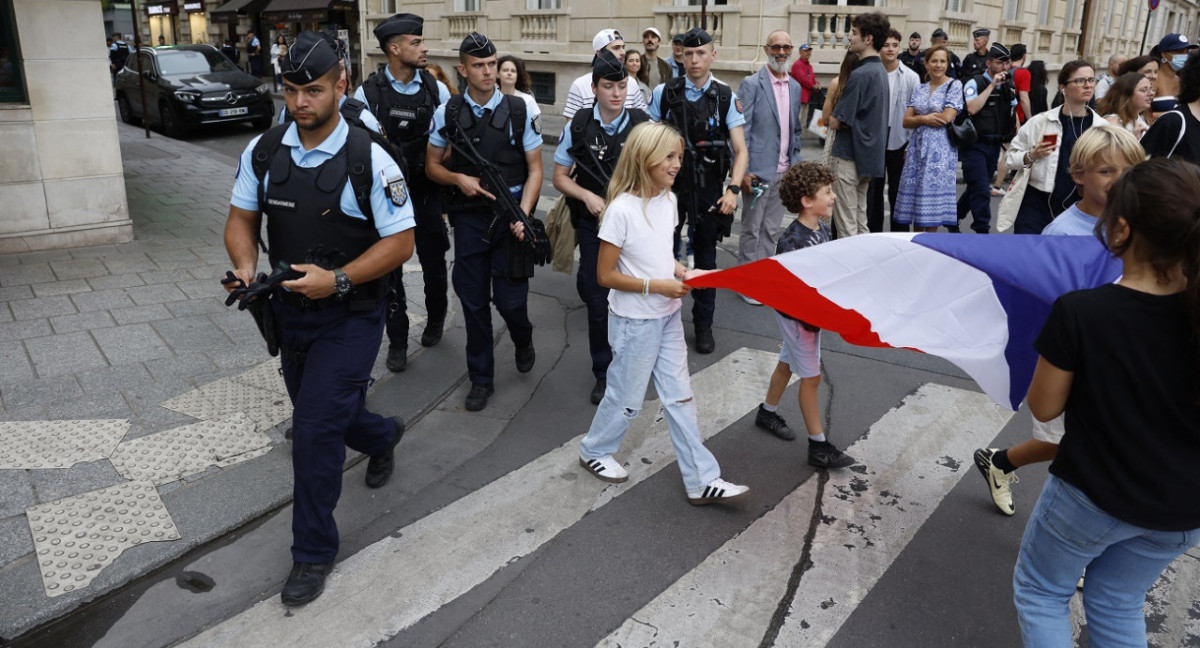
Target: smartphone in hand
x,y
1050,138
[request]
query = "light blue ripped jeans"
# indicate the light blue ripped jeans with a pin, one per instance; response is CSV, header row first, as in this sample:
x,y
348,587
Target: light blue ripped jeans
x,y
645,348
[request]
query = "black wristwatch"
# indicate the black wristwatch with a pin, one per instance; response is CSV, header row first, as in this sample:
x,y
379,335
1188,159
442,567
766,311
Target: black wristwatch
x,y
734,188
341,283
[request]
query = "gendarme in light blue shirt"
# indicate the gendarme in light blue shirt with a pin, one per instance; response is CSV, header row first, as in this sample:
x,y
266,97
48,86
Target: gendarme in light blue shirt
x,y
410,88
530,142
389,219
562,158
367,118
733,117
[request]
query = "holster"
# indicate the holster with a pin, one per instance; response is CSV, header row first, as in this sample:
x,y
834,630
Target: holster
x,y
715,225
268,326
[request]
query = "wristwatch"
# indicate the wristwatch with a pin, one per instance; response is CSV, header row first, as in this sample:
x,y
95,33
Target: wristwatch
x,y
734,188
341,283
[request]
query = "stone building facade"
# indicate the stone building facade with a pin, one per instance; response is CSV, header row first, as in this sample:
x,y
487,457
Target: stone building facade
x,y
61,182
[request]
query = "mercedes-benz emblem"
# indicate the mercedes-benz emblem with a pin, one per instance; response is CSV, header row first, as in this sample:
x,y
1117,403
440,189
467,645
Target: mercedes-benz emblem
x,y
230,98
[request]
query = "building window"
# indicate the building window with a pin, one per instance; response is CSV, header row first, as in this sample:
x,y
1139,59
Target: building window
x,y
1012,9
473,6
12,88
543,87
543,4
1069,21
387,6
1044,12
957,6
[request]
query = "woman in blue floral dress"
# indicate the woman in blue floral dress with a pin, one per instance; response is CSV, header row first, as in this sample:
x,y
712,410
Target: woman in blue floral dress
x,y
927,195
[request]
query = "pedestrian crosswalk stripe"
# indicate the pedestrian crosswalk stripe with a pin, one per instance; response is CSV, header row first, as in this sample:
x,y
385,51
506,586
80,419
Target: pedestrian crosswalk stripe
x,y
867,516
397,581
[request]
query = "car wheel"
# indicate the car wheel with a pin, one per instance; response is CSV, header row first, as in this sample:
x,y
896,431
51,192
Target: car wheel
x,y
126,110
262,123
171,125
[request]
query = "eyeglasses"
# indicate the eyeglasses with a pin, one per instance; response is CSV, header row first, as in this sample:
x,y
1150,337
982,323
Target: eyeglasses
x,y
1083,81
786,49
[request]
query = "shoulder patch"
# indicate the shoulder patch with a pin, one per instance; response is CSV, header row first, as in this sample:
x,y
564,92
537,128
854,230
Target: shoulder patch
x,y
738,104
397,188
969,90
536,123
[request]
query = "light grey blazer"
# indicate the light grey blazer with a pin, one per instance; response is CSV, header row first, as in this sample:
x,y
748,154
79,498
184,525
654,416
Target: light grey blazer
x,y
762,123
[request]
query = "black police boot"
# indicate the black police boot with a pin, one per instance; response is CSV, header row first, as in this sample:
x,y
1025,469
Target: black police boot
x,y
525,358
432,333
478,397
704,339
380,467
397,359
598,390
305,583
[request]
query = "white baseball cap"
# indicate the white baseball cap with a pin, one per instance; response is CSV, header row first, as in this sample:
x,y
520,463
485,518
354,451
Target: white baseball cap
x,y
604,37
651,30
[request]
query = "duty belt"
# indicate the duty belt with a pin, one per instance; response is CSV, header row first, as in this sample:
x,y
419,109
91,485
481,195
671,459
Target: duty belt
x,y
297,300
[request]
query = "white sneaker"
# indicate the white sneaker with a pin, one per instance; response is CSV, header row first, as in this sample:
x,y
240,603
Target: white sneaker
x,y
605,469
750,300
998,482
718,490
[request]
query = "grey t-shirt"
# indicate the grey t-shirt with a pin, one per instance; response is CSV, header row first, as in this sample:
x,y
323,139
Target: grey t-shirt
x,y
863,112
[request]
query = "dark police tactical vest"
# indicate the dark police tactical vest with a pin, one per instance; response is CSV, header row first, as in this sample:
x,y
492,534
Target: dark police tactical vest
x,y
490,136
405,118
995,122
705,132
595,154
303,205
352,110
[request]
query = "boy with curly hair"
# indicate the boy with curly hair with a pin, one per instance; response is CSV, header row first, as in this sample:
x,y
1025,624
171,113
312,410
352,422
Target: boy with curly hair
x,y
807,191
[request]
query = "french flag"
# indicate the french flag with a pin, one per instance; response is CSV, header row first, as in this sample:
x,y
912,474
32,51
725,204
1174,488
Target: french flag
x,y
977,301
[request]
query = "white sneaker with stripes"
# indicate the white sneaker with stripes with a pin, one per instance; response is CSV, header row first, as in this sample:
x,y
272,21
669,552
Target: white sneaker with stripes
x,y
605,469
718,490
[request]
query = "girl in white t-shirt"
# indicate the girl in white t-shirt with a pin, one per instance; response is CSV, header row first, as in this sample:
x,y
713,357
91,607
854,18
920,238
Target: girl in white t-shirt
x,y
644,325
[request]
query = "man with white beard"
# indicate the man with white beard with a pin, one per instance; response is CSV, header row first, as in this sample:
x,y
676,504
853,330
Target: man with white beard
x,y
770,99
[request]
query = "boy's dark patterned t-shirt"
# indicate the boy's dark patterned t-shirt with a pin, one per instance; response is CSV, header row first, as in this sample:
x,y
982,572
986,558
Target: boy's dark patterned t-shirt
x,y
798,236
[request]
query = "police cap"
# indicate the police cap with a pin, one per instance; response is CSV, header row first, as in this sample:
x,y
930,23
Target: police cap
x,y
477,45
999,52
308,59
607,66
401,24
982,31
939,33
696,37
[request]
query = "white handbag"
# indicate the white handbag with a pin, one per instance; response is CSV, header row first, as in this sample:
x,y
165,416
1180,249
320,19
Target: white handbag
x,y
1014,194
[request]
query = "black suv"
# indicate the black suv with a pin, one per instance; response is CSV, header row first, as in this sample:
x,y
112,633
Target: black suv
x,y
191,85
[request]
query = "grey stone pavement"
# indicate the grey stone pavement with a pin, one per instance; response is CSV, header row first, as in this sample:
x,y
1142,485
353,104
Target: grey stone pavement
x,y
112,333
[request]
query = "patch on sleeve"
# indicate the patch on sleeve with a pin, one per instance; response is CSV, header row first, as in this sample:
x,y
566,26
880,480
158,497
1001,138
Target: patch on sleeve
x,y
969,91
397,189
738,104
536,123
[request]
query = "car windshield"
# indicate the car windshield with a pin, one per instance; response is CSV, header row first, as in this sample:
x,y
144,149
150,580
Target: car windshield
x,y
184,62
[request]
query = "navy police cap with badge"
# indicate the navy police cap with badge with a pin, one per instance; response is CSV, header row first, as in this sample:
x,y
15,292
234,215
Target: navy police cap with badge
x,y
401,24
308,59
696,37
981,32
477,45
607,66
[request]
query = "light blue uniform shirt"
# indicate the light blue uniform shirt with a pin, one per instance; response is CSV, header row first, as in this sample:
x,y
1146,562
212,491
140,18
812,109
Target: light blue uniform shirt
x,y
733,117
531,141
410,88
389,219
561,157
367,118
971,89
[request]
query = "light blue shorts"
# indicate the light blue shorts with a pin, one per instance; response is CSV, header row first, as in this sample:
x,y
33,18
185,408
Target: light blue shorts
x,y
801,349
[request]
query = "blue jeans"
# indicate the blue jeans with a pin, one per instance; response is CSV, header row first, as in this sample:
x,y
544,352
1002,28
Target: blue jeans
x,y
643,348
1067,533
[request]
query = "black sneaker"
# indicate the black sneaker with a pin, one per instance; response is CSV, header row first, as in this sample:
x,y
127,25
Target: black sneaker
x,y
380,468
525,358
305,583
772,422
598,390
432,333
478,397
824,454
704,340
397,359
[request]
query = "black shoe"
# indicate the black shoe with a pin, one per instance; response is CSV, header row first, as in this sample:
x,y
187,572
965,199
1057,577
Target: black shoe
x,y
397,359
598,390
432,333
704,340
823,454
772,422
379,468
478,397
305,583
525,358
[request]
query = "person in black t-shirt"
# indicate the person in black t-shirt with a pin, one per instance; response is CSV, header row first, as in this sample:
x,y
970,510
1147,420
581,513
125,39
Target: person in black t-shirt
x,y
1122,361
1176,134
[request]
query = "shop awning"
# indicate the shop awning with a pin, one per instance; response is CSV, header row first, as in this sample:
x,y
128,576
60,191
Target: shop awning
x,y
303,10
229,12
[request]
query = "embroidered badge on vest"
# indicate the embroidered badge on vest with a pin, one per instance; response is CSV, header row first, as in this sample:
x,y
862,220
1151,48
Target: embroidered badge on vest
x,y
397,189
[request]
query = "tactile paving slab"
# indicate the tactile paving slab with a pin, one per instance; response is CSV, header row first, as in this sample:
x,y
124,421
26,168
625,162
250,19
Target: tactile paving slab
x,y
76,537
58,444
264,376
173,454
224,397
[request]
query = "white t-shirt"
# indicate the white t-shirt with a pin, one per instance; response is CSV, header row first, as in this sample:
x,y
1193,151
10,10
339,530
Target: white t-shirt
x,y
531,104
646,238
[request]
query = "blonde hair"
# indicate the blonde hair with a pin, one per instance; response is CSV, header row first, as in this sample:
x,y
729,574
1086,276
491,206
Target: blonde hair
x,y
1105,141
648,144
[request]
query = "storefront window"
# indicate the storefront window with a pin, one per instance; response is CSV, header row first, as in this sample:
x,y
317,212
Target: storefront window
x,y
12,88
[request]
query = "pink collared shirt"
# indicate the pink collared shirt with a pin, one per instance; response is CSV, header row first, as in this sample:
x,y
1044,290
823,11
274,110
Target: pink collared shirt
x,y
783,104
